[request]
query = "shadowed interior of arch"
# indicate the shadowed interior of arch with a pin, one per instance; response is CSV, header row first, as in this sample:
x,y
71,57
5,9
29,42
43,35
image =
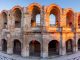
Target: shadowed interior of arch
x,y
34,48
4,45
17,47
4,17
79,44
69,19
54,16
53,48
17,16
35,17
69,46
79,21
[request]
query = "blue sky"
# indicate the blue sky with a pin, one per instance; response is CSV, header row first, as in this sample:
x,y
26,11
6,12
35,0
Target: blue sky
x,y
8,4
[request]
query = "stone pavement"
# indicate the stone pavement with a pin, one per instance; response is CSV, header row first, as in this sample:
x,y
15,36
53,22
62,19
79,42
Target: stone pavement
x,y
75,56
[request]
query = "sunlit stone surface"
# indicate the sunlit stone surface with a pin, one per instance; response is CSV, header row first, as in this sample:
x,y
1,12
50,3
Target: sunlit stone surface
x,y
28,31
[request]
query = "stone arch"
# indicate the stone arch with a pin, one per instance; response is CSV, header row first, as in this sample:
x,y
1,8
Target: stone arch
x,y
4,45
69,46
56,11
34,48
5,11
17,6
34,9
17,15
70,18
53,47
17,47
30,7
4,14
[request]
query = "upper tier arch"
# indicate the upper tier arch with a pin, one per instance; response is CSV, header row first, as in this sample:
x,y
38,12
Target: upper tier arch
x,y
31,6
17,7
54,6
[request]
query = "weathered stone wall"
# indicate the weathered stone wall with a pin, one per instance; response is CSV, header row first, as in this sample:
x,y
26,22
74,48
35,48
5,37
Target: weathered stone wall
x,y
43,34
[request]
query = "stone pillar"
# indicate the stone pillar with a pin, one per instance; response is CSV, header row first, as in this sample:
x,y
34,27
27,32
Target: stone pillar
x,y
10,26
42,23
62,50
9,44
41,51
25,51
43,19
26,25
60,44
44,52
0,43
73,46
76,44
63,20
76,48
1,27
26,20
11,22
25,47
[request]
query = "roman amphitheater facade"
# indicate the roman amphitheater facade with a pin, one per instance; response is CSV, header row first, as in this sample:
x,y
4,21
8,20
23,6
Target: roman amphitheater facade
x,y
21,35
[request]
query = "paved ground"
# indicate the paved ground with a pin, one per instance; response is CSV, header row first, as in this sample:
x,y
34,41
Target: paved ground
x,y
75,56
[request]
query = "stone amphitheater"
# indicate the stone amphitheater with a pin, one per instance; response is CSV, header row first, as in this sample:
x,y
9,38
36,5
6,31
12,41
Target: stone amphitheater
x,y
20,33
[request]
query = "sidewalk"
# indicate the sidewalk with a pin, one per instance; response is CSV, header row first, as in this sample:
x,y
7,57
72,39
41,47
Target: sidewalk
x,y
75,56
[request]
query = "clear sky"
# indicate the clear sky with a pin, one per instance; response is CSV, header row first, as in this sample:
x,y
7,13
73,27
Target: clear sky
x,y
8,4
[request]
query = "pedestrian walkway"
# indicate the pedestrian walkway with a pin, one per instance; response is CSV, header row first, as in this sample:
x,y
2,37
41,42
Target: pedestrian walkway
x,y
75,56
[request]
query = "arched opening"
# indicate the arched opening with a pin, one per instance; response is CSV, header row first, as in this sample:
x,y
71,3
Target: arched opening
x,y
17,47
38,20
17,17
4,17
52,20
54,16
70,19
34,48
69,47
35,17
79,44
79,21
53,48
4,45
